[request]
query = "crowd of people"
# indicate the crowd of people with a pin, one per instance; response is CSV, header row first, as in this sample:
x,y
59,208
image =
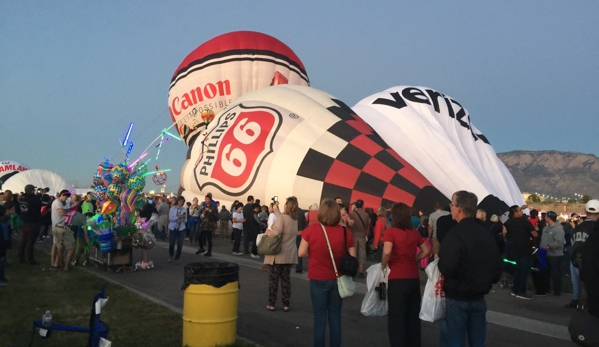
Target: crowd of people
x,y
474,251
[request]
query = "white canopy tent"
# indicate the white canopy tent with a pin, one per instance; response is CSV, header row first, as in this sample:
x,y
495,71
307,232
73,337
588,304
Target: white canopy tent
x,y
39,178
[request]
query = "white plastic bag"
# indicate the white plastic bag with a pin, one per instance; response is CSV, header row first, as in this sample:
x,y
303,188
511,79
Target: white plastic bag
x,y
433,300
372,305
259,239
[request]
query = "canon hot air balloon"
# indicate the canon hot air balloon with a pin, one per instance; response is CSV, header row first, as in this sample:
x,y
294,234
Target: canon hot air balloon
x,y
433,132
213,75
296,140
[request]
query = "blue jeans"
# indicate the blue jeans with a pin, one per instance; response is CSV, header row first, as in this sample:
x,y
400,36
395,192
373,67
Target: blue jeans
x,y
575,277
466,318
176,236
326,306
523,264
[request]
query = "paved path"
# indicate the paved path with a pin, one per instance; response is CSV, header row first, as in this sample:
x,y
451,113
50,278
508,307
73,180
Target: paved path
x,y
512,322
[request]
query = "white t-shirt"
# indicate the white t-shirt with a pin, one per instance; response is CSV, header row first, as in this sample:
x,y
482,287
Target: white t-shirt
x,y
238,216
57,218
271,219
432,219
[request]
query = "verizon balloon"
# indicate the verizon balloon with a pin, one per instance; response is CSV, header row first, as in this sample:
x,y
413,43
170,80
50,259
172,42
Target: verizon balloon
x,y
296,140
433,132
224,68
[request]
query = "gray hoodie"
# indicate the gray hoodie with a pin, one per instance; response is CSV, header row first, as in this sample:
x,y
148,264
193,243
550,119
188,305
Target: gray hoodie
x,y
553,237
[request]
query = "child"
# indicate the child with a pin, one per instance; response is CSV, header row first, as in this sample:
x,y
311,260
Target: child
x,y
6,211
263,216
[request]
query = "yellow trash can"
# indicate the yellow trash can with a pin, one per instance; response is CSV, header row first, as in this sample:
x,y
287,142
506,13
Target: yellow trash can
x,y
210,304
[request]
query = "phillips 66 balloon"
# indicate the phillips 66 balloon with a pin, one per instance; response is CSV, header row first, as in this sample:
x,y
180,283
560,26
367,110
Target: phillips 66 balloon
x,y
224,68
296,140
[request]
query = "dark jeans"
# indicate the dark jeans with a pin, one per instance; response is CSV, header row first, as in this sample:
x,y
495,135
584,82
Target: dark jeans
x,y
555,274
326,307
176,236
28,238
523,264
236,239
592,300
44,230
466,319
300,261
540,279
403,323
2,265
250,235
207,236
246,239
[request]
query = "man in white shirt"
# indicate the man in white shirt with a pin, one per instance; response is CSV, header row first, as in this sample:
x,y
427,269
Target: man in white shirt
x,y
62,234
432,226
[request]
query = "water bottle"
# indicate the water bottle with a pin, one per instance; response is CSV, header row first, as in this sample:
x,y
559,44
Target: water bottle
x,y
47,320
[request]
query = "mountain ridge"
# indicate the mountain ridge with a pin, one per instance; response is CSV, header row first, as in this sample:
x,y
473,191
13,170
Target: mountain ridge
x,y
555,173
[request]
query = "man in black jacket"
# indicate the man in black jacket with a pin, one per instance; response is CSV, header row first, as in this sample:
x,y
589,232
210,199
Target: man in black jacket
x,y
248,213
31,206
589,270
469,261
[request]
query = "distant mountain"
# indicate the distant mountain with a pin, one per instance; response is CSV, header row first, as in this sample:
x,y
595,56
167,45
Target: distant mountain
x,y
555,173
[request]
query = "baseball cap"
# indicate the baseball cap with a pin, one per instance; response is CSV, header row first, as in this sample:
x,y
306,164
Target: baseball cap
x,y
551,213
64,192
593,206
29,188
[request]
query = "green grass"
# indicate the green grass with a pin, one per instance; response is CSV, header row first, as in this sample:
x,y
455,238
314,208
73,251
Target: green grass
x,y
132,320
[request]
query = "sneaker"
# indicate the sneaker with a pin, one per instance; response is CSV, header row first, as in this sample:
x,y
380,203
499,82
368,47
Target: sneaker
x,y
523,296
540,294
237,253
40,240
207,254
200,251
84,263
572,304
74,263
170,259
255,256
512,294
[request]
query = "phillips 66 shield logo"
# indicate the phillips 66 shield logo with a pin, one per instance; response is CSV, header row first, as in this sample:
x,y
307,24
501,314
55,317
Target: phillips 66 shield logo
x,y
234,149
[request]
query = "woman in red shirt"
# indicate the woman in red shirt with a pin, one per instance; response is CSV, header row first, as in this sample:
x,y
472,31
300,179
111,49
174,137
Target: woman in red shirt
x,y
403,291
382,224
326,302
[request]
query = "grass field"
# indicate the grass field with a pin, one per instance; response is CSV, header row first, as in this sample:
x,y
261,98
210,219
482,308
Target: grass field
x,y
132,320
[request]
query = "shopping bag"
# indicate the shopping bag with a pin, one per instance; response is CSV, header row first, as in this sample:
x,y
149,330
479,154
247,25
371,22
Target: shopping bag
x,y
345,286
373,305
433,299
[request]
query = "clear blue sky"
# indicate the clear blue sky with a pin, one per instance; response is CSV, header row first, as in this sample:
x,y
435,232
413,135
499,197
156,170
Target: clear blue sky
x,y
73,74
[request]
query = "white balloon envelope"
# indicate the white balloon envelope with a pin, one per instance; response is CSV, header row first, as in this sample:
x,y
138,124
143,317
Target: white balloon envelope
x,y
433,132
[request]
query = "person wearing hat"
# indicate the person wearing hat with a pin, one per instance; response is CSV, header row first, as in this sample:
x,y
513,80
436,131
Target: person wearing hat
x,y
589,269
580,235
31,218
63,236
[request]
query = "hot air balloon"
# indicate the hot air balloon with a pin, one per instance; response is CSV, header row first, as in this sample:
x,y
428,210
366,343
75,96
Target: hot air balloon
x,y
296,140
224,68
433,132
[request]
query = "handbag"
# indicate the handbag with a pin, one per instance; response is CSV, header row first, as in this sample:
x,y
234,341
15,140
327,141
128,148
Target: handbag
x,y
270,245
345,284
348,264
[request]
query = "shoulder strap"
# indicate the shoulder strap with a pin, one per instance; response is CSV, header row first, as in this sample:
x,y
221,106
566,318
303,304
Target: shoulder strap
x,y
361,220
330,250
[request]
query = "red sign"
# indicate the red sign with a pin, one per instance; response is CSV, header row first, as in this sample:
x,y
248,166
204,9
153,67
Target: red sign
x,y
235,148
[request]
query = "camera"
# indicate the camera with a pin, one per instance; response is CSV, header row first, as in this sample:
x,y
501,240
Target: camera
x,y
382,291
275,198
